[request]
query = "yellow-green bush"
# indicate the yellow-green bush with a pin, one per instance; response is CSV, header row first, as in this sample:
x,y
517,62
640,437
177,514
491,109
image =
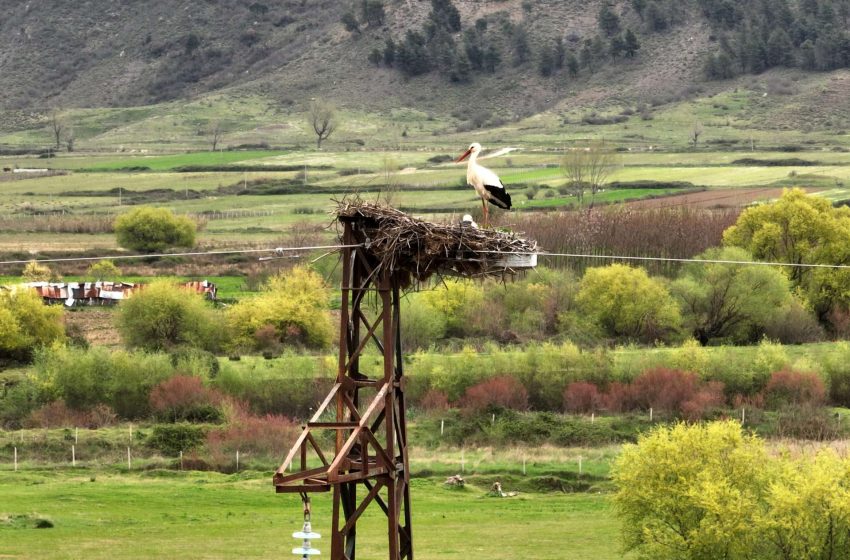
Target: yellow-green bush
x,y
154,229
626,302
26,323
164,316
712,491
294,303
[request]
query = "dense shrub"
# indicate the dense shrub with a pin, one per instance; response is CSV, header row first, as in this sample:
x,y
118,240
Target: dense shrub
x,y
734,303
56,415
664,389
711,491
172,439
806,421
454,300
259,437
497,392
626,302
421,327
26,324
582,397
709,397
794,387
294,303
85,378
154,229
620,397
306,381
435,400
184,398
837,368
104,270
163,316
36,272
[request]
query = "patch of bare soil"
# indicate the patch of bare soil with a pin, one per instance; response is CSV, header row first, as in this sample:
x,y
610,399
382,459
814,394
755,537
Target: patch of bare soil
x,y
96,324
714,199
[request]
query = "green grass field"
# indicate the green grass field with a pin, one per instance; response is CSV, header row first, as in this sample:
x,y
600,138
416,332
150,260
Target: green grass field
x,y
209,516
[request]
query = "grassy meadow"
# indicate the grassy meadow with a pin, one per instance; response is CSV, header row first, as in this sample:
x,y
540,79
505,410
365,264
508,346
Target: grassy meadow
x,y
201,515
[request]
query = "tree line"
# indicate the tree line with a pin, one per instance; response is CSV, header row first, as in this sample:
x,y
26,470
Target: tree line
x,y
445,46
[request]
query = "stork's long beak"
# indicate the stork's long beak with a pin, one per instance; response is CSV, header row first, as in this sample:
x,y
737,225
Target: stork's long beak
x,y
464,156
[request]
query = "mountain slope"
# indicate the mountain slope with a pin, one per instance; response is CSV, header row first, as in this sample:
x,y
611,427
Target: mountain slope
x,y
97,53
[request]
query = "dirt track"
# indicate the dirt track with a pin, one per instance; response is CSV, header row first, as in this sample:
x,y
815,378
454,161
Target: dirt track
x,y
716,198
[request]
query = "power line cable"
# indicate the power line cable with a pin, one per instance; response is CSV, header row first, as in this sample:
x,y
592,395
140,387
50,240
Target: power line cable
x,y
275,250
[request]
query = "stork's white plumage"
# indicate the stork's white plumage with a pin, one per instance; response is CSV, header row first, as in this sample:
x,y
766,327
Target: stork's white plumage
x,y
467,221
486,183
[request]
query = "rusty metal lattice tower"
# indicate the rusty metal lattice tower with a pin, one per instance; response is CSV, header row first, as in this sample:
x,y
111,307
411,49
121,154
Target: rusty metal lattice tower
x,y
365,411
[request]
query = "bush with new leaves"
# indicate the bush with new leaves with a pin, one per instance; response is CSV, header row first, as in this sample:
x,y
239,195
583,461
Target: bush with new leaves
x,y
294,303
34,271
694,492
103,270
26,323
154,229
626,302
164,316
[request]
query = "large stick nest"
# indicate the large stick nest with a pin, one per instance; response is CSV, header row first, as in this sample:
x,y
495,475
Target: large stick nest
x,y
413,249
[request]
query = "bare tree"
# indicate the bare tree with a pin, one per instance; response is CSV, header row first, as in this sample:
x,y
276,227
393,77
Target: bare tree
x,y
69,139
588,168
389,169
215,132
322,117
57,124
696,131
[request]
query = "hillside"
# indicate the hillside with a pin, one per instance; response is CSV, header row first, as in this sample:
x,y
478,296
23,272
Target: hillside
x,y
96,54
158,74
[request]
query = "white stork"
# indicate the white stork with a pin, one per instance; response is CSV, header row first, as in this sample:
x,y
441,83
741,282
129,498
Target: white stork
x,y
486,183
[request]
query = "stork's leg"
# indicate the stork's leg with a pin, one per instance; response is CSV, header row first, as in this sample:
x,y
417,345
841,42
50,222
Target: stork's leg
x,y
486,213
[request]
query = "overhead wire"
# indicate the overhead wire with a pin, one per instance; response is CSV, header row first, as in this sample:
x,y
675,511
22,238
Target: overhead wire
x,y
275,250
279,252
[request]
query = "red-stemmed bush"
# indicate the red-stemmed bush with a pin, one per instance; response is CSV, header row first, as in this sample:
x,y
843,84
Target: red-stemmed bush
x,y
619,398
794,387
582,397
435,400
268,436
664,389
707,398
502,392
184,397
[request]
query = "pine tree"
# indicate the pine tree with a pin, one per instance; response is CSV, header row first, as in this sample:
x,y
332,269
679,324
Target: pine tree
x,y
631,44
586,56
376,56
474,51
349,21
572,65
462,69
389,51
617,46
445,15
608,21
522,50
655,17
492,58
546,64
560,53
780,50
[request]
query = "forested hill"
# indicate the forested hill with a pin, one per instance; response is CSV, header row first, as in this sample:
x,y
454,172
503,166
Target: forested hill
x,y
523,55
